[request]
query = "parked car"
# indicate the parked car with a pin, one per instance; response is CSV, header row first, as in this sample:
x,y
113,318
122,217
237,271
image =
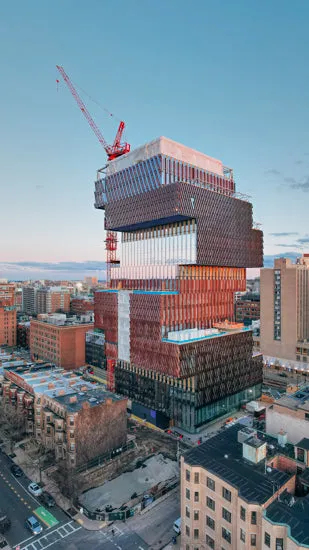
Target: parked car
x,y
48,500
16,471
33,525
35,490
5,522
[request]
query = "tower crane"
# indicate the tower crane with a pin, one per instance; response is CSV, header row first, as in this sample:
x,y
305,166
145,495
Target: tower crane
x,y
113,151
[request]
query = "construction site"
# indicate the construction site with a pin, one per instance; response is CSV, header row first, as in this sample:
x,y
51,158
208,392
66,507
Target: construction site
x,y
179,238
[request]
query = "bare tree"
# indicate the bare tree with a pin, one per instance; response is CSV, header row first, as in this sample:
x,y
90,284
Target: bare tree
x,y
69,480
12,422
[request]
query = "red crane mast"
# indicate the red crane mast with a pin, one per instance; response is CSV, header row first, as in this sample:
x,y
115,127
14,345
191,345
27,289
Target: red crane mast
x,y
113,151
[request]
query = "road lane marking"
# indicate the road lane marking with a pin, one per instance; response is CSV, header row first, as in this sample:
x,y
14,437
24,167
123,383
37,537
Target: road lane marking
x,y
43,540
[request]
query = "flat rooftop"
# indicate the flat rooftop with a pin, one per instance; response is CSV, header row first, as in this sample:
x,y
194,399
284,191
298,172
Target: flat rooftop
x,y
222,456
93,396
295,401
48,381
188,336
170,148
293,514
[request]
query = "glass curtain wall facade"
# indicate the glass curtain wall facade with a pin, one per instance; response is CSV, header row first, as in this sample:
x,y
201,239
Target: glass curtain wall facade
x,y
186,240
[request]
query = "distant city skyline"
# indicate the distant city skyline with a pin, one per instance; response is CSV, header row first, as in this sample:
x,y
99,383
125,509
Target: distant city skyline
x,y
235,89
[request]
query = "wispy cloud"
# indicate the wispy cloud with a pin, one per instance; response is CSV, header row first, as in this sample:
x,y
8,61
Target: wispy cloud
x,y
273,172
294,245
303,240
301,185
283,234
51,270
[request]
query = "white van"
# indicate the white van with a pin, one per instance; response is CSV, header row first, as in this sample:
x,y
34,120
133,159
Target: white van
x,y
177,526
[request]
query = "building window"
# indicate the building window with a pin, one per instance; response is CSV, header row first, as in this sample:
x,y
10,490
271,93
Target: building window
x,y
279,544
196,515
196,496
226,515
253,518
226,535
277,305
242,535
226,494
196,533
196,477
187,475
187,512
188,494
211,503
187,531
267,540
243,513
210,542
211,484
300,454
210,522
253,540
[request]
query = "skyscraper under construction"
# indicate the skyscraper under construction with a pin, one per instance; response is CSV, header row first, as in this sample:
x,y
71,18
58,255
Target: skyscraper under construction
x,y
186,240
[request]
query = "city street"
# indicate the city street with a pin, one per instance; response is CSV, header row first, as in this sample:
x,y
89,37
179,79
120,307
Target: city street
x,y
79,539
18,504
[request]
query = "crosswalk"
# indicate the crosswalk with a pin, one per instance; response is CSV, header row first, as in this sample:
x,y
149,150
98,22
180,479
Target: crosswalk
x,y
50,538
113,535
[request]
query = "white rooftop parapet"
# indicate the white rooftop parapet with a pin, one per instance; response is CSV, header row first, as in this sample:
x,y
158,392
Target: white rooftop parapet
x,y
170,148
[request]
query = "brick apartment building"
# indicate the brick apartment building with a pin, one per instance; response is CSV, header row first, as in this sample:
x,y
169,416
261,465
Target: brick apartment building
x,y
52,300
247,308
7,315
59,407
62,344
7,294
242,490
82,304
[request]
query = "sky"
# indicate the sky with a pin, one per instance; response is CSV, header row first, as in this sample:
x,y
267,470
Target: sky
x,y
228,78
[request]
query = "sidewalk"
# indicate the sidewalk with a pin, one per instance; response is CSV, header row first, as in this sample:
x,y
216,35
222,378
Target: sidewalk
x,y
171,546
51,487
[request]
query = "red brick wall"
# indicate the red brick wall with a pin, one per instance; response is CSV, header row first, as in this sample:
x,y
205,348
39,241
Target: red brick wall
x,y
7,326
100,429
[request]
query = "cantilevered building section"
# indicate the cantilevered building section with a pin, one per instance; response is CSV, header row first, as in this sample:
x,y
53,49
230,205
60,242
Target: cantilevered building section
x,y
186,240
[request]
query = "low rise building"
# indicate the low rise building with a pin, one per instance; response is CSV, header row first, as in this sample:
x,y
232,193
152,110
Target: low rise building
x,y
291,413
242,490
247,308
82,304
60,408
60,339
